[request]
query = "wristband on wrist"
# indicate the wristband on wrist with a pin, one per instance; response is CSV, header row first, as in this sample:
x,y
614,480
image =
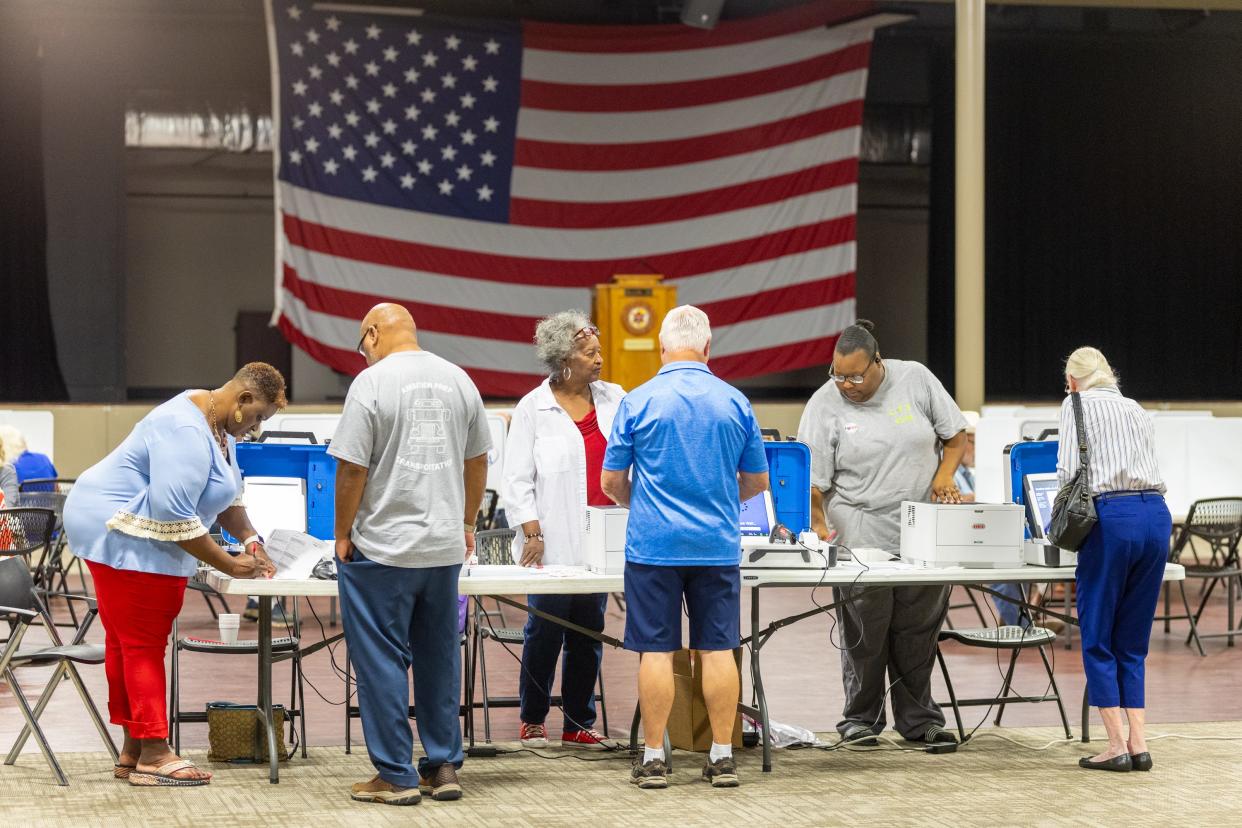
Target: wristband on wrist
x,y
255,538
536,536
469,526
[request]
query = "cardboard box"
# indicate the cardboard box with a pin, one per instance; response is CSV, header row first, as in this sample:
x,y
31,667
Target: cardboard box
x,y
688,725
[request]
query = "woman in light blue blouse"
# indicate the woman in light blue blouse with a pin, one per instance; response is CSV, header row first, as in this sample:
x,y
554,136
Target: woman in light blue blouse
x,y
139,519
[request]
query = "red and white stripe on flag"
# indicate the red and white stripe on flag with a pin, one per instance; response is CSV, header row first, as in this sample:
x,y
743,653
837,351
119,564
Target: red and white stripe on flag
x,y
726,160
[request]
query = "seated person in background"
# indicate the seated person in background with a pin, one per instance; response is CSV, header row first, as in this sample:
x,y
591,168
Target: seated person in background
x,y
1007,612
29,465
964,477
8,485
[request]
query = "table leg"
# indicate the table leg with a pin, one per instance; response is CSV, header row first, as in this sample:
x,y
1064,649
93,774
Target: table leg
x,y
1086,717
756,679
264,707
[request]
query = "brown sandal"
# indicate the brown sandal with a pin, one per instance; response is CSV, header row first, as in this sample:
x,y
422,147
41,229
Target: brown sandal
x,y
122,771
162,777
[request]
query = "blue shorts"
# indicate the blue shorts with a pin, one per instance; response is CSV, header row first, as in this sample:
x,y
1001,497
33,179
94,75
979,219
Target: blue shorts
x,y
653,597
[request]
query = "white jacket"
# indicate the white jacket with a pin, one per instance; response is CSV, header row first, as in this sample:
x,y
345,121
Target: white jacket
x,y
545,470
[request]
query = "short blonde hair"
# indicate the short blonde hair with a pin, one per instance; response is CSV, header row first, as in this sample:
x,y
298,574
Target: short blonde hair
x,y
1090,369
685,328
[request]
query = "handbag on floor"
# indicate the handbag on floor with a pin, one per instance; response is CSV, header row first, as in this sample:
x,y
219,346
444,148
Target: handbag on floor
x,y
231,730
1073,512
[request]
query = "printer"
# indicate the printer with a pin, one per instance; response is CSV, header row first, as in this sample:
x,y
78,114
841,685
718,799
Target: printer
x,y
603,539
971,535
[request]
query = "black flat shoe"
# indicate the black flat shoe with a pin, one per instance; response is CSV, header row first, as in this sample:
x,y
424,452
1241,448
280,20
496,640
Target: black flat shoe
x,y
1121,764
1140,761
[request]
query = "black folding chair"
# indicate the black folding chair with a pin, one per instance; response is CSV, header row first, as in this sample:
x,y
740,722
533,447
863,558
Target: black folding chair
x,y
1014,639
60,485
25,531
22,605
494,548
51,572
1216,522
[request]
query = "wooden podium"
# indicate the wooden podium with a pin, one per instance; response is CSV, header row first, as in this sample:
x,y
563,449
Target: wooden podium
x,y
628,313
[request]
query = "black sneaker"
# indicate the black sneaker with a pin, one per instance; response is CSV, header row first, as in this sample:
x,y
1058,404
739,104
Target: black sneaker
x,y
937,735
857,735
722,773
653,774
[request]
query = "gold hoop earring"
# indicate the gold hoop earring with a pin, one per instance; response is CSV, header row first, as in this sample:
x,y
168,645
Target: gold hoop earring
x,y
237,417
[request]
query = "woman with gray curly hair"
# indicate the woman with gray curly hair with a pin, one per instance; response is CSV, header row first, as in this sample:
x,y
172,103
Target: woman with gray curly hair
x,y
553,458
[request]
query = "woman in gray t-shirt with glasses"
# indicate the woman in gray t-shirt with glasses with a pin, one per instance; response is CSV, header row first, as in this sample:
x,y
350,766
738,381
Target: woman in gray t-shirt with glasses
x,y
880,432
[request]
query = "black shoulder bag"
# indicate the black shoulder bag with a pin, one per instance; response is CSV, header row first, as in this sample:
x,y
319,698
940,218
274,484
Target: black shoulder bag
x,y
1073,512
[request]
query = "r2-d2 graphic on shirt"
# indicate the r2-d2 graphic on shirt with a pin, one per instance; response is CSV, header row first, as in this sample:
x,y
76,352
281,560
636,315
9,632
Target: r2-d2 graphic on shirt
x,y
427,431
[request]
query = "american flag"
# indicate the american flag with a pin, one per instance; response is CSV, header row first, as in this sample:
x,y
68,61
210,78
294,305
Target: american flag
x,y
487,173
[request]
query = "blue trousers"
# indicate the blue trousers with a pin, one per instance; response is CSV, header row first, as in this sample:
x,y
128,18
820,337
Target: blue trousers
x,y
1120,569
579,668
1010,614
395,620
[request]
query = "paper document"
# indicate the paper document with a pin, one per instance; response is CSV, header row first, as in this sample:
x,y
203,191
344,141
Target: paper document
x,y
513,571
296,553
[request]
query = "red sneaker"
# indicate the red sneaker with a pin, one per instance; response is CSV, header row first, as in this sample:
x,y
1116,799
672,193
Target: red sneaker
x,y
533,735
586,739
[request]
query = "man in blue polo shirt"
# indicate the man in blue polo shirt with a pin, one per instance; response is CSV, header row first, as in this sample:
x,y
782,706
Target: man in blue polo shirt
x,y
696,453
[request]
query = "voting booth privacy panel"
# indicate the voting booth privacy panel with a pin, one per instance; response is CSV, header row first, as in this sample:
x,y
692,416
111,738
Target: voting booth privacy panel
x,y
323,426
789,474
789,470
312,465
1199,455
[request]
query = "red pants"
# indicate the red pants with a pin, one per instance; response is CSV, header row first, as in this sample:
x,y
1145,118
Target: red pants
x,y
137,610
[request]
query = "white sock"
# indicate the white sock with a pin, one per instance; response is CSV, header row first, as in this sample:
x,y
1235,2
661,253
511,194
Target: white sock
x,y
650,753
719,752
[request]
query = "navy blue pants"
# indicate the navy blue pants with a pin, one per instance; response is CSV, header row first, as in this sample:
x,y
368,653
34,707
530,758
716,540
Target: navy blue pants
x,y
1120,569
1009,613
395,620
579,668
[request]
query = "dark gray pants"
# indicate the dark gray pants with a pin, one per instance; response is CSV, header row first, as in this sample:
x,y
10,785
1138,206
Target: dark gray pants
x,y
890,629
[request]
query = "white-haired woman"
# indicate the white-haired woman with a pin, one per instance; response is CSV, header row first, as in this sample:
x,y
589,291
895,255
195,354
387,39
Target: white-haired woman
x,y
27,464
553,458
1121,563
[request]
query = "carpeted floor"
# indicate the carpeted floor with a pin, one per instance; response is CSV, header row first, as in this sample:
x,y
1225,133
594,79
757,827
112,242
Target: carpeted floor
x,y
991,782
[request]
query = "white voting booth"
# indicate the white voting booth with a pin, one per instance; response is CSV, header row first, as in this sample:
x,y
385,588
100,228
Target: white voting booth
x,y
324,425
1200,455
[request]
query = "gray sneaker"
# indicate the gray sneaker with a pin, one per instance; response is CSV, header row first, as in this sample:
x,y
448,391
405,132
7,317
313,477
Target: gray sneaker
x,y
653,774
722,773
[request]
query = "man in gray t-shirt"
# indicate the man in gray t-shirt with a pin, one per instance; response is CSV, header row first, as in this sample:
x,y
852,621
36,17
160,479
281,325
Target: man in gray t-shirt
x,y
411,450
882,431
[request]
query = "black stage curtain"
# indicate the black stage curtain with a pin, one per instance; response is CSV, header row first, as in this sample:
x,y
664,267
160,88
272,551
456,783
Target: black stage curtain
x,y
28,367
1114,200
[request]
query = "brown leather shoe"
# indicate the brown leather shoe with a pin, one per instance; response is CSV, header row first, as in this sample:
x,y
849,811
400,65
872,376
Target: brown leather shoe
x,y
379,790
441,784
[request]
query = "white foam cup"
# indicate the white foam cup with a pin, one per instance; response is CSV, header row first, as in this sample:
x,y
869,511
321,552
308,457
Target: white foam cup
x,y
229,623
